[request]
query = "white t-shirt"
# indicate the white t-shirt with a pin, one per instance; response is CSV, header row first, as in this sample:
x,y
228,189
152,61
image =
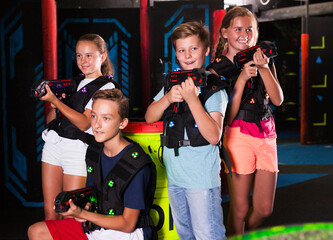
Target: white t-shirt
x,y
52,136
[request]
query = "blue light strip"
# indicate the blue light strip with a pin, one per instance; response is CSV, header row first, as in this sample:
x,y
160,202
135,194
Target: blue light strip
x,y
115,21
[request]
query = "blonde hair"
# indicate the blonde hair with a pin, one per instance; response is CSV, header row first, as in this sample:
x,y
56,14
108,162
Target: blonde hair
x,y
99,42
227,21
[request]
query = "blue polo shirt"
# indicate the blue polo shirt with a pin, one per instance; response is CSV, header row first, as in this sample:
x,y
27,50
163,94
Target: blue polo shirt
x,y
196,167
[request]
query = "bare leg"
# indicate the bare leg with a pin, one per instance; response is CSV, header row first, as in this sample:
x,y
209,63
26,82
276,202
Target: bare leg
x,y
52,185
39,231
72,182
263,198
239,188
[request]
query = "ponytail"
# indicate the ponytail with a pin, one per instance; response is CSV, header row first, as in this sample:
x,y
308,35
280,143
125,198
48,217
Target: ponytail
x,y
106,68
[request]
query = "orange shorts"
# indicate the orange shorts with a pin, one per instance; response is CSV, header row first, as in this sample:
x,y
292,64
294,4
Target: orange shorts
x,y
247,153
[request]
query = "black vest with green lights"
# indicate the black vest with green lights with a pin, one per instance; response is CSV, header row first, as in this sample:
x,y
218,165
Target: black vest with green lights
x,y
175,122
255,104
110,191
78,100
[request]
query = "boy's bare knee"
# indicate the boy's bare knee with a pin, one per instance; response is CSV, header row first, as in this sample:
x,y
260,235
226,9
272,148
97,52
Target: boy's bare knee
x,y
38,231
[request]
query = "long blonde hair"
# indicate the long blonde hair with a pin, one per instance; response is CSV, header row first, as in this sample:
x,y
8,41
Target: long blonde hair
x,y
99,42
227,21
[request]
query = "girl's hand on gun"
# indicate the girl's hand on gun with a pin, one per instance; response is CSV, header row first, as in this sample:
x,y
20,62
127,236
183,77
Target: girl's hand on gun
x,y
249,70
188,90
174,95
50,96
260,59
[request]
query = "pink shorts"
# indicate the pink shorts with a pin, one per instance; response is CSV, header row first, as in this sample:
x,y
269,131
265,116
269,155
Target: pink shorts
x,y
66,229
247,153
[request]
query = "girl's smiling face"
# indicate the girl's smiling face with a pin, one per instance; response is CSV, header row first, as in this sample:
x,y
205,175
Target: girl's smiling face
x,y
89,59
241,34
191,52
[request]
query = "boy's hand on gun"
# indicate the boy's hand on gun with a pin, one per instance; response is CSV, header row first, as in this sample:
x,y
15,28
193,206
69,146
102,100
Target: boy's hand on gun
x,y
75,211
188,90
174,94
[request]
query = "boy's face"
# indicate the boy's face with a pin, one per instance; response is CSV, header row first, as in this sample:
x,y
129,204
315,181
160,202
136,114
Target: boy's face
x,y
106,122
190,52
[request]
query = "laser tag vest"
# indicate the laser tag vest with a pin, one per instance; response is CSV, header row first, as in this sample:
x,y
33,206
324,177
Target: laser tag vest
x,y
110,191
254,105
78,100
174,122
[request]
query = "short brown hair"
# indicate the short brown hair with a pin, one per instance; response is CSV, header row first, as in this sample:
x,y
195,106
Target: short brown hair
x,y
188,29
117,96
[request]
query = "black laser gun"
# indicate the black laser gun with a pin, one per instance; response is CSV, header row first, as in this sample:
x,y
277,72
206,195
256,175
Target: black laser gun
x,y
80,197
243,57
174,78
58,86
198,75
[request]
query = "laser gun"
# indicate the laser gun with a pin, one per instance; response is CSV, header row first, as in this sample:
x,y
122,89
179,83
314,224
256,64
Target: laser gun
x,y
198,75
57,86
80,197
243,57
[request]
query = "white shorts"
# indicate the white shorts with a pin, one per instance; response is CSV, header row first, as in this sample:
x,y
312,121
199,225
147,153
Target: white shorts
x,y
66,153
115,235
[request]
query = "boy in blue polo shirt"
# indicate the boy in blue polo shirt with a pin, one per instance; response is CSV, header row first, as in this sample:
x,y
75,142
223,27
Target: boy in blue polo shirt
x,y
193,162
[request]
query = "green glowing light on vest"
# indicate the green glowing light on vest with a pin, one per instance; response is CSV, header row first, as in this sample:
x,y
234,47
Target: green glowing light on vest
x,y
111,212
111,183
135,155
90,169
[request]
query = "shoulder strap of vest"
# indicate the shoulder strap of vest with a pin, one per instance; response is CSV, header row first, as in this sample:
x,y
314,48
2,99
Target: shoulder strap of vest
x,y
129,164
101,81
214,84
97,84
93,156
133,160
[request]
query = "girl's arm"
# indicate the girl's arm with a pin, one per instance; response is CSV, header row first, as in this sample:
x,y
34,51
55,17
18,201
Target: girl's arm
x,y
51,115
269,78
236,95
80,120
209,124
156,109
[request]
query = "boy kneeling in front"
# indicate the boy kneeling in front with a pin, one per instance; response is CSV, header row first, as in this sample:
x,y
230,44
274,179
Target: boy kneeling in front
x,y
123,176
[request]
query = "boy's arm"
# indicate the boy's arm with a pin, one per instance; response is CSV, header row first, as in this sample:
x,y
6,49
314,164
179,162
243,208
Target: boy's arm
x,y
124,223
209,124
156,109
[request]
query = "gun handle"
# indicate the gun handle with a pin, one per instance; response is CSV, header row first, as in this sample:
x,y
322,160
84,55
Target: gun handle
x,y
85,227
